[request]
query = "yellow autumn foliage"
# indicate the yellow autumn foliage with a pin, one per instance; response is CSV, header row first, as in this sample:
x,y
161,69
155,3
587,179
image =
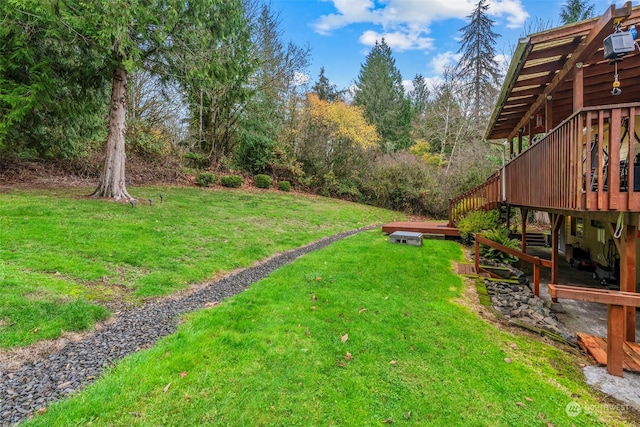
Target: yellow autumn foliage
x,y
342,122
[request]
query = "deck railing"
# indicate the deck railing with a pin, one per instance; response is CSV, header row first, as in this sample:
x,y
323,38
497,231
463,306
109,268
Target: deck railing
x,y
586,163
486,196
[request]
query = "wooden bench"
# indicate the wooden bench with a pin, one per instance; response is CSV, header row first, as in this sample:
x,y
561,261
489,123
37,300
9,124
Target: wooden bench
x,y
617,302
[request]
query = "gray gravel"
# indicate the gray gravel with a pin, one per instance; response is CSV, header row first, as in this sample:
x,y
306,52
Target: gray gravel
x,y
34,385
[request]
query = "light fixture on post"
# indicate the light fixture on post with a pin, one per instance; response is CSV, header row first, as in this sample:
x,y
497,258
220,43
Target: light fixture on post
x,y
616,46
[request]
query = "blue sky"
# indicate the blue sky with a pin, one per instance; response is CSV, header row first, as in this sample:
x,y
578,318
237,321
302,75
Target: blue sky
x,y
423,34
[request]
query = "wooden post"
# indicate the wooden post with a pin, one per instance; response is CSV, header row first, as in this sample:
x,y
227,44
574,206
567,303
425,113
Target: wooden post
x,y
536,277
477,257
556,222
615,339
524,213
548,114
578,87
520,142
628,276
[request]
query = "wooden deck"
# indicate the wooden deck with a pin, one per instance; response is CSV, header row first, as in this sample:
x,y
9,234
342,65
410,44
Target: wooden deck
x,y
424,227
596,347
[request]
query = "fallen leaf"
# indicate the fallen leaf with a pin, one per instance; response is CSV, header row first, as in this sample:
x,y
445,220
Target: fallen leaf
x,y
407,415
550,425
314,297
528,399
412,348
406,314
344,338
388,421
166,388
36,330
183,374
348,356
393,362
362,310
514,346
520,404
507,360
313,307
341,364
42,410
319,279
211,304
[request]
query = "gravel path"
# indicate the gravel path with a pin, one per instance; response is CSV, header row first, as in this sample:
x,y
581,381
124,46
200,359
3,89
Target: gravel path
x,y
33,385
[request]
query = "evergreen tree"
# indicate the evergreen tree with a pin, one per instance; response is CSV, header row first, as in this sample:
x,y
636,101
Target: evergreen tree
x,y
52,94
419,95
477,67
381,93
324,89
575,11
277,65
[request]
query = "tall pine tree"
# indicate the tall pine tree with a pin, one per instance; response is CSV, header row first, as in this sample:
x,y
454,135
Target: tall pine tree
x,y
380,92
477,66
576,10
324,89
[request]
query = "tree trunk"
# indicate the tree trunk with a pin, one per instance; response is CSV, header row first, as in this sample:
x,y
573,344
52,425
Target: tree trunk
x,y
112,178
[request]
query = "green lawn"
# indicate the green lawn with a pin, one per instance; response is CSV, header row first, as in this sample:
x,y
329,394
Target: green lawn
x,y
61,254
361,333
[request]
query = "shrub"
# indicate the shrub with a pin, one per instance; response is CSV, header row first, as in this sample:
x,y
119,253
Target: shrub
x,y
284,186
196,160
263,181
400,181
232,181
205,178
499,235
477,221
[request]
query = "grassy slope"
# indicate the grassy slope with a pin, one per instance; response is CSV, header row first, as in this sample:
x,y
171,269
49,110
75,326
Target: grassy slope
x,y
60,253
274,355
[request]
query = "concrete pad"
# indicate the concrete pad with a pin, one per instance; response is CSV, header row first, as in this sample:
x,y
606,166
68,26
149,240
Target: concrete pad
x,y
625,389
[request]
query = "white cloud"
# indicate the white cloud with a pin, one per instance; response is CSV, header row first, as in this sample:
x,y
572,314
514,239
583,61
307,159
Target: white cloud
x,y
398,41
511,10
410,15
443,60
300,79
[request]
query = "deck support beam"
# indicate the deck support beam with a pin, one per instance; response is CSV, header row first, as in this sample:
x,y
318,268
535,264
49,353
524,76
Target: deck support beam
x,y
615,339
556,222
524,213
626,245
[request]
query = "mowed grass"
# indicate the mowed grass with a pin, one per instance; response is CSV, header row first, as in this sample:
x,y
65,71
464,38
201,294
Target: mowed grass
x,y
62,254
361,333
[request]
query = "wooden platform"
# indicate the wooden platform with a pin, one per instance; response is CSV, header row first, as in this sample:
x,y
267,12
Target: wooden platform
x,y
596,347
467,269
424,227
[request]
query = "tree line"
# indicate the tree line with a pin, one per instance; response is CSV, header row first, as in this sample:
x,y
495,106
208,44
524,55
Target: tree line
x,y
215,83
